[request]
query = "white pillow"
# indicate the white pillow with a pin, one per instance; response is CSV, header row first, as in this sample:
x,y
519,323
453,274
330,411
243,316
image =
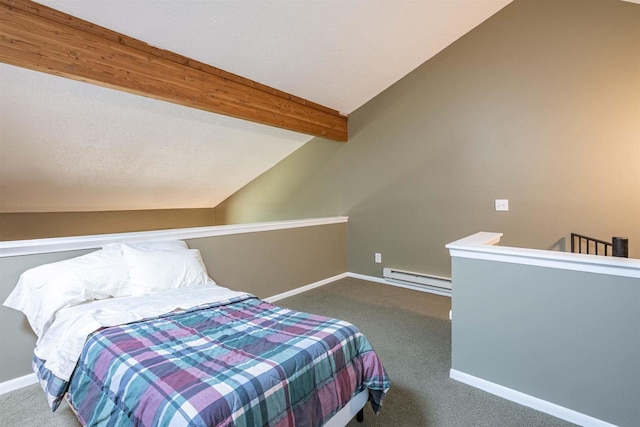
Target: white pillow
x,y
120,285
152,270
43,290
102,273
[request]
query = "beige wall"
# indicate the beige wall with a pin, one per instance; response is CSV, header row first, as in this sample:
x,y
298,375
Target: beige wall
x,y
273,262
540,105
306,184
19,226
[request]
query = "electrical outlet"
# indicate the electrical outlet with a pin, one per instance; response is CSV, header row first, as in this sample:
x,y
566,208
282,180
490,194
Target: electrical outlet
x,y
378,258
502,204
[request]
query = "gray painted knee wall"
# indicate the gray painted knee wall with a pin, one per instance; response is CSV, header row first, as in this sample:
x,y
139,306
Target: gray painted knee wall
x,y
567,337
263,263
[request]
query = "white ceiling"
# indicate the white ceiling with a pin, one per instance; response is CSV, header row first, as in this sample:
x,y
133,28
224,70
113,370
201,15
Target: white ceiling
x,y
70,146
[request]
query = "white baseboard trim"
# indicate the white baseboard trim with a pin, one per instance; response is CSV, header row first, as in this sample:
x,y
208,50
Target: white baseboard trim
x,y
530,401
301,289
399,285
17,383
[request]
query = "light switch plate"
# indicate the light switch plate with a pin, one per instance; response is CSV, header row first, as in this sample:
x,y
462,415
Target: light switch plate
x,y
502,204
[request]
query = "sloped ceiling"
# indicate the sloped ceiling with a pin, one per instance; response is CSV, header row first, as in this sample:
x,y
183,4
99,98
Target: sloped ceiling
x,y
71,146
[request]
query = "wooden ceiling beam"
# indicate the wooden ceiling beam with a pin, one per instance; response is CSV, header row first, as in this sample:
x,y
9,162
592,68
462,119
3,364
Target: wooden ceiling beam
x,y
43,39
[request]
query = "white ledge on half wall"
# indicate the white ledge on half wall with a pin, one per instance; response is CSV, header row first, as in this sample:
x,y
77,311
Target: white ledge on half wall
x,y
61,244
483,245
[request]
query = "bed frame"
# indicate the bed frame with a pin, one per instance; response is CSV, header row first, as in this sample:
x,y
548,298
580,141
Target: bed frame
x,y
353,408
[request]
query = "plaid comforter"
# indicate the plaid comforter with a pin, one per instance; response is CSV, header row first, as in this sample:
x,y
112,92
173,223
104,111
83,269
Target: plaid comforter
x,y
240,362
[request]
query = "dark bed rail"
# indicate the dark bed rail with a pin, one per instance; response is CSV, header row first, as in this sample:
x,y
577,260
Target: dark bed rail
x,y
619,246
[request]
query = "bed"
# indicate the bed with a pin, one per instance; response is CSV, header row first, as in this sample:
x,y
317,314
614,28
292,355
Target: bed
x,y
164,345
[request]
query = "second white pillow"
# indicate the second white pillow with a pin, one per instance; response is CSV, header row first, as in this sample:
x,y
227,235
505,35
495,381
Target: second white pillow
x,y
152,270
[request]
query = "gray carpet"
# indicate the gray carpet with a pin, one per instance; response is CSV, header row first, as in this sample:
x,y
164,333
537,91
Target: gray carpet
x,y
411,333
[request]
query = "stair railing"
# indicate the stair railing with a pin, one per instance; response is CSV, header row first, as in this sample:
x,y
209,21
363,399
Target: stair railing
x,y
619,246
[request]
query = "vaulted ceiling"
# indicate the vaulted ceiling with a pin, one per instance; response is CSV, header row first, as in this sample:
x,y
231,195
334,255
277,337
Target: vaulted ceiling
x,y
72,146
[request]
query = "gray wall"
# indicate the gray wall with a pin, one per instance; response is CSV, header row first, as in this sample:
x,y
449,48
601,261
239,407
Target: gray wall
x,y
16,337
38,225
540,104
570,338
265,264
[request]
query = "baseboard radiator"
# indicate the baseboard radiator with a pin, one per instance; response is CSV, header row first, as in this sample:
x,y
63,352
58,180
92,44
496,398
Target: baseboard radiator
x,y
442,284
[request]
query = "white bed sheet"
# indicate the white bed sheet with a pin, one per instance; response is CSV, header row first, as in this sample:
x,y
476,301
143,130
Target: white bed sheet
x,y
62,344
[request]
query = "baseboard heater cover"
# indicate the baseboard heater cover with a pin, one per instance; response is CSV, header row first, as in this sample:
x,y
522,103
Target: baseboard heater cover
x,y
416,279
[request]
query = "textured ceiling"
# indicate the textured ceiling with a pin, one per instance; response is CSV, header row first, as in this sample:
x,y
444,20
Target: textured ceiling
x,y
70,146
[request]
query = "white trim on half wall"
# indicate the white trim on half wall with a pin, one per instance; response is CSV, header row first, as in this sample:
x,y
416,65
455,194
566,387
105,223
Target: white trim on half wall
x,y
482,246
61,244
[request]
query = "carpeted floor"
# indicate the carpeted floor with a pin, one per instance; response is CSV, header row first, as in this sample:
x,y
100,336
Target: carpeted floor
x,y
411,333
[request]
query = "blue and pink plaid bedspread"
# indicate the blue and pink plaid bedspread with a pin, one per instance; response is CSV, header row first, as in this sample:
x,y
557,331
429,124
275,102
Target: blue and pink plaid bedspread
x,y
240,362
